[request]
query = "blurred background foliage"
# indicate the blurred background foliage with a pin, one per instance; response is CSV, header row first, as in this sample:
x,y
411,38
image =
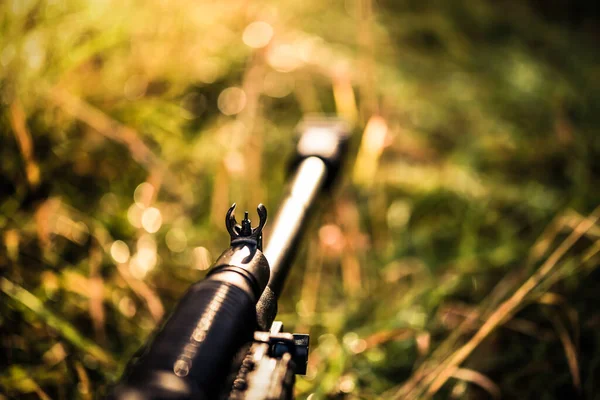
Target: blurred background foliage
x,y
456,259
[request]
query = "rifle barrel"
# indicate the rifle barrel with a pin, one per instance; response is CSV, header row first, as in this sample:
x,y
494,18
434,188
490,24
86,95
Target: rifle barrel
x,y
320,153
290,219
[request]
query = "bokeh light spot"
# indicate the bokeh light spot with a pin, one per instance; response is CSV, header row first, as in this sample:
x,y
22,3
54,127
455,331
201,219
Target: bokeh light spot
x,y
194,105
235,162
176,240
127,307
398,214
143,261
283,58
258,34
134,215
278,84
79,232
119,251
347,384
151,219
231,101
202,258
332,238
143,194
146,242
109,203
208,69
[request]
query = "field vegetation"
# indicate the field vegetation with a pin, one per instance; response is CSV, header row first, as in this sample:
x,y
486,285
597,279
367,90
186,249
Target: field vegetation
x,y
457,257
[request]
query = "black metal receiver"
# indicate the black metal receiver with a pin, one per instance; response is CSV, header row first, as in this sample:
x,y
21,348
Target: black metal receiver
x,y
221,341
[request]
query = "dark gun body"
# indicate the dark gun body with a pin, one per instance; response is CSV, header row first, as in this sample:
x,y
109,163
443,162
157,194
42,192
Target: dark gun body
x,y
220,341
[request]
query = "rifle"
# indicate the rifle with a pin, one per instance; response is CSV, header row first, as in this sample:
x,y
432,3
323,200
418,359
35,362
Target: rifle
x,y
221,340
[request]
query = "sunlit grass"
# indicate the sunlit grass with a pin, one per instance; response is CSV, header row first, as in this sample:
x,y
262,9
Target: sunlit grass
x,y
461,227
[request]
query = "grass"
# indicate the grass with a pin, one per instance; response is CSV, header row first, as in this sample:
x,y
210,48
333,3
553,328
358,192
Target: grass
x,y
457,257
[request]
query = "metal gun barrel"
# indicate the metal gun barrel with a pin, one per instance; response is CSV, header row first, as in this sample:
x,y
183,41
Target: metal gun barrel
x,y
291,218
320,153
